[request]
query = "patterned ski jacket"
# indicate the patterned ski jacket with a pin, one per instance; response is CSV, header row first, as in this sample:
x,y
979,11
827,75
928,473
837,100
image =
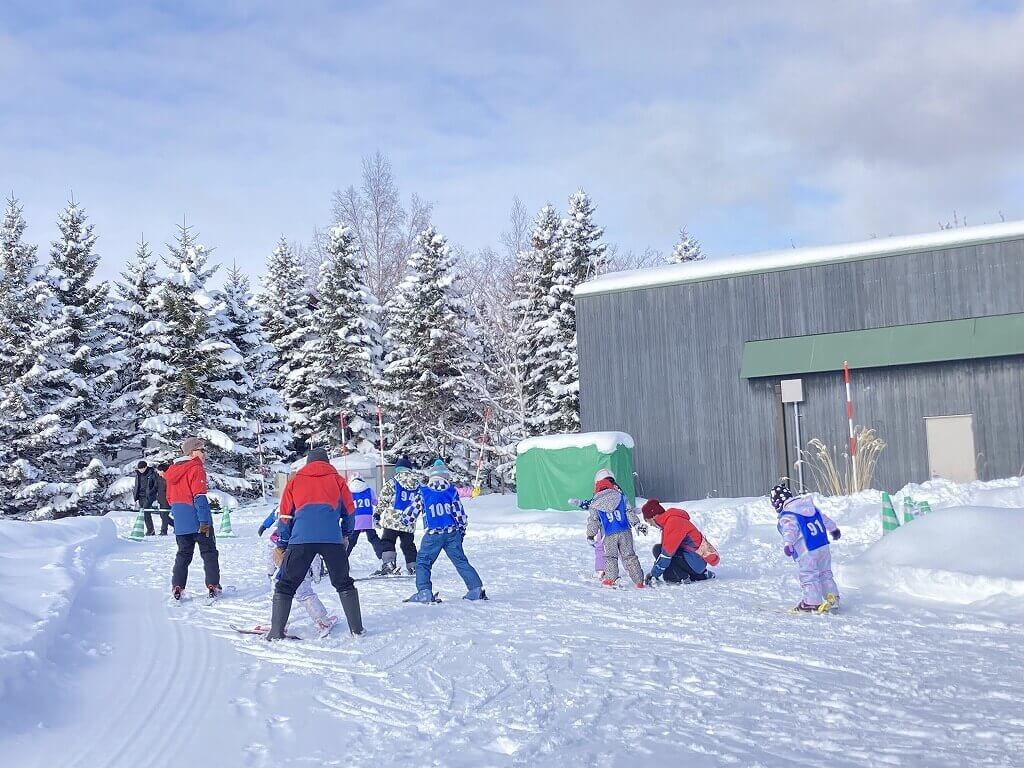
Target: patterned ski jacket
x,y
387,514
608,499
797,522
452,516
315,506
186,493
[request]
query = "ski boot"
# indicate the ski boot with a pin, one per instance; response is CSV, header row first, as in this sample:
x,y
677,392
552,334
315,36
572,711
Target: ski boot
x,y
214,591
176,592
353,615
325,625
386,569
423,596
803,607
640,585
410,569
476,594
608,583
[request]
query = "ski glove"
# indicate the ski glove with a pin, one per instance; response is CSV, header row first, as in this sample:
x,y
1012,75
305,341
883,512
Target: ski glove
x,y
575,502
790,552
641,528
261,531
836,534
650,578
590,540
204,529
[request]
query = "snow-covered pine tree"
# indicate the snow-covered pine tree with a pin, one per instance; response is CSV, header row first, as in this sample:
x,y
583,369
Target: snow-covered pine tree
x,y
251,412
535,274
582,256
430,377
687,249
189,373
288,321
76,374
131,312
23,299
346,351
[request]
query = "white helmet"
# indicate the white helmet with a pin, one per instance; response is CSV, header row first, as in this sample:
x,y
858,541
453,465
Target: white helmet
x,y
604,474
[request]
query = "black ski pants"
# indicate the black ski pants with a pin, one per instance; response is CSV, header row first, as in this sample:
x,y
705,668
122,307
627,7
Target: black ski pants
x,y
371,536
187,548
679,569
165,520
299,557
408,538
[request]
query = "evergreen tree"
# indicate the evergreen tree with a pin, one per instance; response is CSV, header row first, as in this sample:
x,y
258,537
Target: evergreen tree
x,y
131,313
347,353
431,376
535,274
23,300
187,375
582,256
251,411
75,374
288,321
687,249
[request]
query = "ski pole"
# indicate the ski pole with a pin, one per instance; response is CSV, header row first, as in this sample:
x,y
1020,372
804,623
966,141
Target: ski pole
x,y
344,442
380,431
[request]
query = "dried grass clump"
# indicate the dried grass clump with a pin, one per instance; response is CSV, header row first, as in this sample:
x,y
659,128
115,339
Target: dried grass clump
x,y
832,469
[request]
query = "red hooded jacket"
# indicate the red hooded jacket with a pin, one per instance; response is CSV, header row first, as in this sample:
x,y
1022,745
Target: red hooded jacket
x,y
677,530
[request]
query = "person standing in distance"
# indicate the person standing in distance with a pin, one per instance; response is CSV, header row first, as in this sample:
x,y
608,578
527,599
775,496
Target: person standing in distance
x,y
145,493
193,523
315,506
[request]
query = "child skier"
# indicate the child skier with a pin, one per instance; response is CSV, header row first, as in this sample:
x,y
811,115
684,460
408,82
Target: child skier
x,y
304,594
444,523
395,498
612,516
363,496
805,530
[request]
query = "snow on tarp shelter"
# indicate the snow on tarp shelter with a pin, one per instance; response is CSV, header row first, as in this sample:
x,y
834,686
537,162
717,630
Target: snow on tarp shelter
x,y
551,470
365,465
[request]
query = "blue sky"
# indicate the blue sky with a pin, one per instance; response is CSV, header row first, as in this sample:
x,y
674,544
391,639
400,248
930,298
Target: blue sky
x,y
756,124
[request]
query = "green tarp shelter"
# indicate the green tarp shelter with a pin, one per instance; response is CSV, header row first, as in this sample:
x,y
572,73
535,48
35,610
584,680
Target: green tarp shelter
x,y
552,469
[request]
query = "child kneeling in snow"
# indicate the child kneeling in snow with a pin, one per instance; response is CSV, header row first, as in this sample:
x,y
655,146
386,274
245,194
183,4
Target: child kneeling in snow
x,y
805,530
611,515
444,523
304,594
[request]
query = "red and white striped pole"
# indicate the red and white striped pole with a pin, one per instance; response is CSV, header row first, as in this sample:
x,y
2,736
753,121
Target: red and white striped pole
x,y
849,420
380,430
344,442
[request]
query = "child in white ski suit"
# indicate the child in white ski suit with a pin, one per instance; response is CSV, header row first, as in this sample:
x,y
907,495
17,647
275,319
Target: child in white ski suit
x,y
611,515
304,594
805,530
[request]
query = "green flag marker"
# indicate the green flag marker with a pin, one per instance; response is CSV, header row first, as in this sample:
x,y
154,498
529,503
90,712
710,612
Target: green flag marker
x,y
889,520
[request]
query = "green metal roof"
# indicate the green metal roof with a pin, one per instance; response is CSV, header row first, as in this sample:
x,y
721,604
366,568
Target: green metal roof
x,y
976,337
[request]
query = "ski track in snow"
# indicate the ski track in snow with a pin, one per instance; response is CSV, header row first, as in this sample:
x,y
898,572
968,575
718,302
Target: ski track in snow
x,y
553,670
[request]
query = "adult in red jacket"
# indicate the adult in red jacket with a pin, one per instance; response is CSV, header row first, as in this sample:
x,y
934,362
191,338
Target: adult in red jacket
x,y
193,524
314,507
678,558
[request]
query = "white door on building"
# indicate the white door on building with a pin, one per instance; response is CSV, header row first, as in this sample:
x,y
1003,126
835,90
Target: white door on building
x,y
951,447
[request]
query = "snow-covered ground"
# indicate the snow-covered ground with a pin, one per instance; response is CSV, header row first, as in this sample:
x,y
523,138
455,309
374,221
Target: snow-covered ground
x,y
554,670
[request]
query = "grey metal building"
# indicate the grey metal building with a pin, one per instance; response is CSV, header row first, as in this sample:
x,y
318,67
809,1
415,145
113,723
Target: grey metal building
x,y
689,358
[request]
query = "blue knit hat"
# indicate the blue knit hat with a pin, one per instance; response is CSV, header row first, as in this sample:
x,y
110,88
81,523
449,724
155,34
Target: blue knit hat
x,y
403,463
438,469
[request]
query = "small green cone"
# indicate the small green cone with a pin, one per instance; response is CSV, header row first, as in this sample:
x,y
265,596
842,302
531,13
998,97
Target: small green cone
x,y
909,509
924,508
139,529
225,531
889,520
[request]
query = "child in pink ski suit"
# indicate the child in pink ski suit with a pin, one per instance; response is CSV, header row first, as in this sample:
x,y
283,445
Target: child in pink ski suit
x,y
805,530
305,593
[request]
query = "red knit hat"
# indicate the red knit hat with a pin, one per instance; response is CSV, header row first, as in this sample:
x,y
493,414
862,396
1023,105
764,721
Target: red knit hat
x,y
652,508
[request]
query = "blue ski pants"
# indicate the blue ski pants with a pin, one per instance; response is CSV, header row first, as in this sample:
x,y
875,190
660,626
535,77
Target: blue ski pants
x,y
431,547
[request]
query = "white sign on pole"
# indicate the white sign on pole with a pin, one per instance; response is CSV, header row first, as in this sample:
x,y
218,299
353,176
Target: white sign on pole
x,y
792,390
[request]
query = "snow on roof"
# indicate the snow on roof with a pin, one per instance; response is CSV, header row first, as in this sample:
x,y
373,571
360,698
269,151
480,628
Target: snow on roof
x,y
770,261
605,442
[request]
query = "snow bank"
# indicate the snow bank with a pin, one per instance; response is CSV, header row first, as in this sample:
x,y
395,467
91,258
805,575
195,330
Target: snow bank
x,y
43,565
958,555
605,442
790,258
